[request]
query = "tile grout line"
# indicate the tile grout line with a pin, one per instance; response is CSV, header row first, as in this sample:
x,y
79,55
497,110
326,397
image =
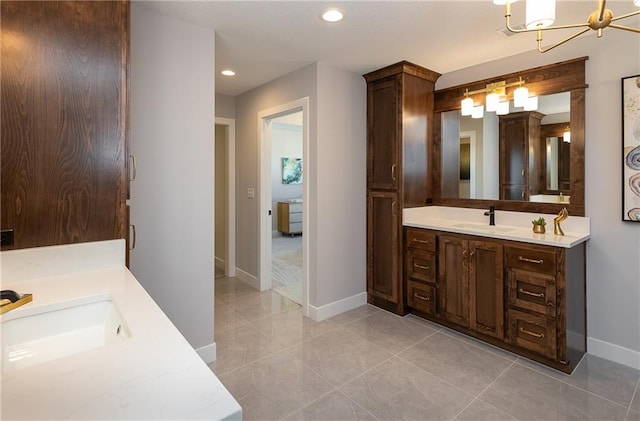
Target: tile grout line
x,y
635,392
539,371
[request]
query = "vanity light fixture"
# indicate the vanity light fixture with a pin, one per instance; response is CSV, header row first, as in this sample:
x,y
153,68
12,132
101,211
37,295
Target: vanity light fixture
x,y
496,101
228,72
540,15
566,135
332,15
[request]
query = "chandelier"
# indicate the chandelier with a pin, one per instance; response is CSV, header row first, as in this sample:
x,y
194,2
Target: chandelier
x,y
540,15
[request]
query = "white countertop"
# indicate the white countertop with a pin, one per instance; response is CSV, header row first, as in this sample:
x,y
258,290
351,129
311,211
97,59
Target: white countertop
x,y
515,226
153,374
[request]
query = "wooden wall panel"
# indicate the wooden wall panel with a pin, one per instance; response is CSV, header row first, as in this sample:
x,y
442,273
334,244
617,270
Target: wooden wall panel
x,y
64,121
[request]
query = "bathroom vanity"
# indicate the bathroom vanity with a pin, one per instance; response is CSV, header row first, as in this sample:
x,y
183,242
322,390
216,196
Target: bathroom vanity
x,y
93,344
501,284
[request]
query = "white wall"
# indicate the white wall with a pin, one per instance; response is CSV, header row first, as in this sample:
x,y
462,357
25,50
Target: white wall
x,y
172,125
336,167
613,252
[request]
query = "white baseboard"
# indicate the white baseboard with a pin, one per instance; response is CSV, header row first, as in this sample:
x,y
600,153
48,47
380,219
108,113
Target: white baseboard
x,y
219,263
248,278
208,353
333,309
615,353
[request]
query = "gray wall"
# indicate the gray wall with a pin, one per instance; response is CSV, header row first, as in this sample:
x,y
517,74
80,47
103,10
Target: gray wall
x,y
293,86
225,106
336,167
613,263
172,124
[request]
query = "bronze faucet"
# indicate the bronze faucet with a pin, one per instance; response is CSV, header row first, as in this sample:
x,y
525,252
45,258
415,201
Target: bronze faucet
x,y
557,229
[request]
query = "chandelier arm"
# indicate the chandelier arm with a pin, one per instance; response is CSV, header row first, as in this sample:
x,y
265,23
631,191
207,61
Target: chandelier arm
x,y
574,25
627,15
544,50
625,28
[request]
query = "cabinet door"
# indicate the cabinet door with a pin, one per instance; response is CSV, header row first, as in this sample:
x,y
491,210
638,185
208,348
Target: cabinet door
x,y
513,159
64,112
383,139
486,287
453,282
383,252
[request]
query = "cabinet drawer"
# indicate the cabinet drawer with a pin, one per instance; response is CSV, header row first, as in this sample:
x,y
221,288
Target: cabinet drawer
x,y
295,217
295,207
534,332
421,297
295,227
532,291
421,239
535,259
421,265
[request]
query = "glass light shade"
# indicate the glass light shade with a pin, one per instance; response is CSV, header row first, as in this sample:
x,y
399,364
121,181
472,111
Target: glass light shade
x,y
520,96
635,2
540,13
492,102
466,107
566,136
531,104
503,108
478,111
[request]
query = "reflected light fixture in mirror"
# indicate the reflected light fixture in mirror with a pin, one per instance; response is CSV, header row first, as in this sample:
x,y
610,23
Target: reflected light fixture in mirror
x,y
566,136
497,101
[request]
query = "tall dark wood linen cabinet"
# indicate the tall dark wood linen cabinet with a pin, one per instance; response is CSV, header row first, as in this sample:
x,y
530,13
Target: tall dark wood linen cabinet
x,y
64,100
399,145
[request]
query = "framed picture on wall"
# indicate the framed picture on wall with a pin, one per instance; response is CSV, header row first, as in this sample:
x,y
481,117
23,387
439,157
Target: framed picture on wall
x,y
291,170
631,148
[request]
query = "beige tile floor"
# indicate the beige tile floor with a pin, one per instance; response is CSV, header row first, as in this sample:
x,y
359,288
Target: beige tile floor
x,y
368,364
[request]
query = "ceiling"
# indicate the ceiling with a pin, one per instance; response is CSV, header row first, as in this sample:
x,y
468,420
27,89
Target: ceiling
x,y
263,40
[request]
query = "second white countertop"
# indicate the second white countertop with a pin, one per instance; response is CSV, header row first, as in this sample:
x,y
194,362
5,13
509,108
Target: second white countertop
x,y
515,226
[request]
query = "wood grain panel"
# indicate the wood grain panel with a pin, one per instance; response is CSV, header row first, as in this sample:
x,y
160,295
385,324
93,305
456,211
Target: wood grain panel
x,y
64,121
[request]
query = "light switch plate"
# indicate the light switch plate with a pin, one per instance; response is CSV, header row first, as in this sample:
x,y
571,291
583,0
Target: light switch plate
x,y
251,193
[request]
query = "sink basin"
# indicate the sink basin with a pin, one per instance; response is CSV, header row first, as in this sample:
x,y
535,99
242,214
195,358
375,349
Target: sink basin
x,y
484,227
59,330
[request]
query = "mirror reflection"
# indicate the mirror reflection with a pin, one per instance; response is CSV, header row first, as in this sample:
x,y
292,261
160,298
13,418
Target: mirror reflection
x,y
521,156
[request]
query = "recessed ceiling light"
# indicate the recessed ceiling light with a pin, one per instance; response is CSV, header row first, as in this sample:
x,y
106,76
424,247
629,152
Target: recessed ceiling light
x,y
332,15
228,72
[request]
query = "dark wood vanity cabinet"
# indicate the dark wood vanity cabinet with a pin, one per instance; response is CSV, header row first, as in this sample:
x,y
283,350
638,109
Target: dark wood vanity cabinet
x,y
520,175
526,298
399,117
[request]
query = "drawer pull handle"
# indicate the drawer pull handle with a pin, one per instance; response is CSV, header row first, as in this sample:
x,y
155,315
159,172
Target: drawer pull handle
x,y
423,267
528,332
533,294
420,297
415,240
524,259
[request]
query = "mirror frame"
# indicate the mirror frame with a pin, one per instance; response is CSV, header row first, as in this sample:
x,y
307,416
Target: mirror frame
x,y
566,76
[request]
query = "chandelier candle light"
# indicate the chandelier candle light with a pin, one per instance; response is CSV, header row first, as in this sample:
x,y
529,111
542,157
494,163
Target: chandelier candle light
x,y
540,15
496,100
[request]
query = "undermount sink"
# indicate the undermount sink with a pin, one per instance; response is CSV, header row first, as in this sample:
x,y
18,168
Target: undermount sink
x,y
483,227
59,330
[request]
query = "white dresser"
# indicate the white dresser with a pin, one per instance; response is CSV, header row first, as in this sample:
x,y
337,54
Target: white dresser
x,y
290,216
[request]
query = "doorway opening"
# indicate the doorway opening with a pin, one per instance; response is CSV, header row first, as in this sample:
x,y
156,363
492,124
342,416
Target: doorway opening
x,y
225,197
284,204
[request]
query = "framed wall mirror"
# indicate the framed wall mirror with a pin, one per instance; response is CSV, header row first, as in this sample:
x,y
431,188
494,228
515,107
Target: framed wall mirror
x,y
531,161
